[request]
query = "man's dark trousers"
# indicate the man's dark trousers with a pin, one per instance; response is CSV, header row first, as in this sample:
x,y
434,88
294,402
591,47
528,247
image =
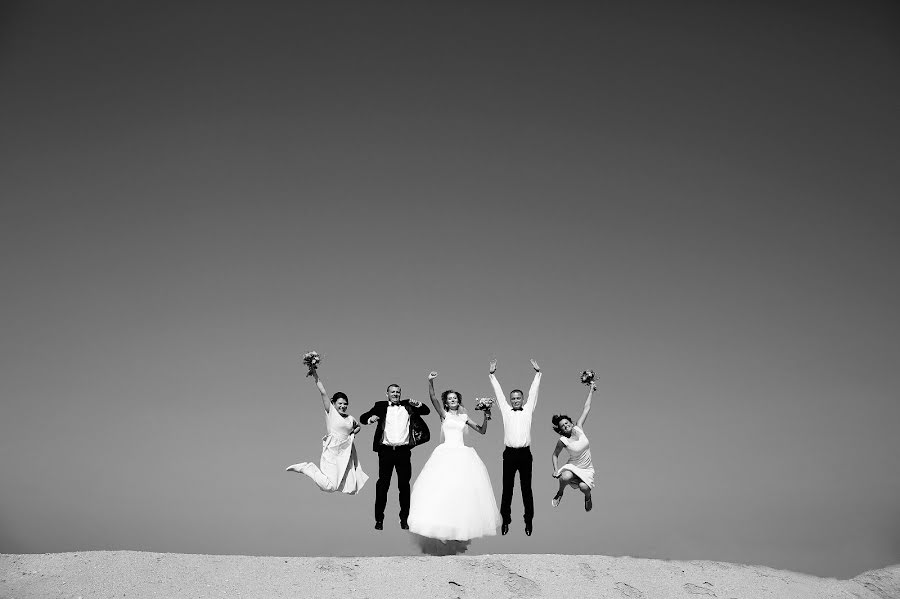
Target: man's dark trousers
x,y
517,459
390,458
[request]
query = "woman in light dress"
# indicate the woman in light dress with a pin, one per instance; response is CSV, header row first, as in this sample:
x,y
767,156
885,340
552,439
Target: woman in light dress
x,y
339,468
578,472
452,499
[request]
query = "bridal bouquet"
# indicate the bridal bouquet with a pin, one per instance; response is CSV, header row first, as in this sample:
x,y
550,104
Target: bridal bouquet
x,y
484,403
312,360
587,377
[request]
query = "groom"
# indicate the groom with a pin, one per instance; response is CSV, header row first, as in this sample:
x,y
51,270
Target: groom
x,y
517,413
399,428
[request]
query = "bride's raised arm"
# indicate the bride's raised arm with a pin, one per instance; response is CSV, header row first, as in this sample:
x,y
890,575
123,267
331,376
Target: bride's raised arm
x,y
434,400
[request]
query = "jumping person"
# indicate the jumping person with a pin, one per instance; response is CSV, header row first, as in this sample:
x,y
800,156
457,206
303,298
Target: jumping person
x,y
578,472
516,413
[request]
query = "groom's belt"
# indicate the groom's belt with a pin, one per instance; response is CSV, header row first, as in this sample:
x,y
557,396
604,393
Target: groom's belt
x,y
404,446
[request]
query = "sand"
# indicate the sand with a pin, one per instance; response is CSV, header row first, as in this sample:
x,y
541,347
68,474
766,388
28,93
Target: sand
x,y
107,574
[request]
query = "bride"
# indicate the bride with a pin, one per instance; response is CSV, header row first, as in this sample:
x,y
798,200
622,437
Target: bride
x,y
452,499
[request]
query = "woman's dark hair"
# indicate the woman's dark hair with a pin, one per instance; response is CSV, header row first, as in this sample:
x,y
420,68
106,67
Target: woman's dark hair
x,y
559,418
448,392
340,395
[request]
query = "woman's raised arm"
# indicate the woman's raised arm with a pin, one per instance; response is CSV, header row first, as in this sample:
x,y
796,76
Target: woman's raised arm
x,y
587,405
325,402
434,400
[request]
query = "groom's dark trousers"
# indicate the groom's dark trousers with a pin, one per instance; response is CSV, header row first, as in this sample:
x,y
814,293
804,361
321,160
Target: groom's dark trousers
x,y
397,458
390,458
516,459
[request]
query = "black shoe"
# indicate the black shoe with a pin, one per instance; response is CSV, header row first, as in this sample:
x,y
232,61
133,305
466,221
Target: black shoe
x,y
504,529
379,526
404,525
528,529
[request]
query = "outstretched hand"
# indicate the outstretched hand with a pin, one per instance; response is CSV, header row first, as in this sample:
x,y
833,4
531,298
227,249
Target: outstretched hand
x,y
414,402
373,419
535,365
493,368
432,375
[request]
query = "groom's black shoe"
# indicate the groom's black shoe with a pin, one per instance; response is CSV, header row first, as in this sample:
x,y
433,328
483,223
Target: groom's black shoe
x,y
504,529
528,529
404,525
379,525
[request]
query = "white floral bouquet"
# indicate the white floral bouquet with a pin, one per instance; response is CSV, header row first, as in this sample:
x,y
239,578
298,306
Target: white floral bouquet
x,y
312,359
484,403
587,377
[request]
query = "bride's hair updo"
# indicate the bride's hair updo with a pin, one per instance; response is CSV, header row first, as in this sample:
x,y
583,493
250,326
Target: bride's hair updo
x,y
557,419
448,392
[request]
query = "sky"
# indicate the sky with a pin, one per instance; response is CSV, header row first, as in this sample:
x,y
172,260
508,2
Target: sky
x,y
697,201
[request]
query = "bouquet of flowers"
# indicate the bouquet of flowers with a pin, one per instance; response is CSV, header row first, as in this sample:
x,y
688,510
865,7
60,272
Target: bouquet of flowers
x,y
484,403
587,377
312,360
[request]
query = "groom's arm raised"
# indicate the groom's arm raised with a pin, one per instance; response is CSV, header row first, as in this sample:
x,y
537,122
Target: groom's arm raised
x,y
535,386
502,402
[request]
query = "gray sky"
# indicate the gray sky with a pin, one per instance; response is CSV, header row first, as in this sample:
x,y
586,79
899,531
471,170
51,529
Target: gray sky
x,y
698,201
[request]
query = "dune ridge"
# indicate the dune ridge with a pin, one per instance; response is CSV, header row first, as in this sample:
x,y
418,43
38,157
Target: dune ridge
x,y
141,574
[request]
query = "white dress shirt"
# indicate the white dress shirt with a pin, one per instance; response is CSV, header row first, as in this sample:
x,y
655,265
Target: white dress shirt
x,y
517,423
396,426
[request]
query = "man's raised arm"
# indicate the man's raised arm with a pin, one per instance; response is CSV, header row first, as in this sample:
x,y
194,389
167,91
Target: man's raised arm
x,y
535,386
502,402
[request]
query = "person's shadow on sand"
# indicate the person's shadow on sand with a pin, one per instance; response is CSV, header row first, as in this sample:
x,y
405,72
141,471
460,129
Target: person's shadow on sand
x,y
437,547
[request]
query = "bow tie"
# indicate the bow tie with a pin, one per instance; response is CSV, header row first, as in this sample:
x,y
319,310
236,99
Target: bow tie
x,y
517,409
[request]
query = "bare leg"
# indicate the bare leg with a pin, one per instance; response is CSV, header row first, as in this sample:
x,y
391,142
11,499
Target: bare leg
x,y
565,478
588,503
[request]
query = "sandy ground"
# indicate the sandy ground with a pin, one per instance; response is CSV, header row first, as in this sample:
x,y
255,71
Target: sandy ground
x,y
107,574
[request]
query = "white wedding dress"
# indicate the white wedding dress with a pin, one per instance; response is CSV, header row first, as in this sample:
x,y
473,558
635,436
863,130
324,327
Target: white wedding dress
x,y
452,499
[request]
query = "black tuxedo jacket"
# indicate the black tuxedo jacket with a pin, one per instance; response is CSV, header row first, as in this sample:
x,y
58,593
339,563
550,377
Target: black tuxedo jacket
x,y
418,430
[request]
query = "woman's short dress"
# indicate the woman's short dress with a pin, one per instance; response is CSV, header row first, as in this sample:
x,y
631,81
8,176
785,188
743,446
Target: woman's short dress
x,y
579,462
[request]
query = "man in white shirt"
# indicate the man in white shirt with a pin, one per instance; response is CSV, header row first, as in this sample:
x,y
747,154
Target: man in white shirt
x,y
516,413
400,428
